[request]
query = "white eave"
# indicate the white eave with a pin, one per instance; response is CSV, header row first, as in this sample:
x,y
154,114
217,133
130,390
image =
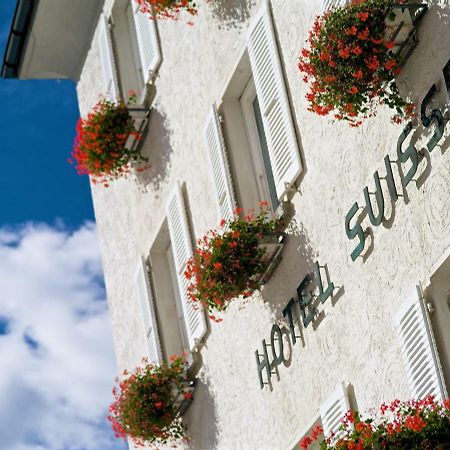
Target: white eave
x,y
59,38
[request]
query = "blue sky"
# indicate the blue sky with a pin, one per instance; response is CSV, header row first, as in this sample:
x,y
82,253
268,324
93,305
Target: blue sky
x,y
58,365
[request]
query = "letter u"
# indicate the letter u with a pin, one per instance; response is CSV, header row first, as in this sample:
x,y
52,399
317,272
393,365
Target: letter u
x,y
375,220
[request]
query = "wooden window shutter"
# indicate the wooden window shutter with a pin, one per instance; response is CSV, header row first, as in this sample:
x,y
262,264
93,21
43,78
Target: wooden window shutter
x,y
219,166
273,100
148,42
107,60
180,238
418,349
145,296
333,409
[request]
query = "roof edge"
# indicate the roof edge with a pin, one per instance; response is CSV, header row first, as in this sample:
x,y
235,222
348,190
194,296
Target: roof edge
x,y
17,37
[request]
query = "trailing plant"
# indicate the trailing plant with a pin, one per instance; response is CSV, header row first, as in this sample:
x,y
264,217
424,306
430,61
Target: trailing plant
x,y
408,425
144,407
227,260
167,9
349,63
100,144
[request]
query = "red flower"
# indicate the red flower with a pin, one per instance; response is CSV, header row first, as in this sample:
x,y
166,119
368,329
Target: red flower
x,y
390,64
305,442
351,31
362,16
347,42
167,9
225,262
364,35
99,148
377,41
344,53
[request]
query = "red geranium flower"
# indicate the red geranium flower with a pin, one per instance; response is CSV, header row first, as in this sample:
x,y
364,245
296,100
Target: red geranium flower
x,y
347,54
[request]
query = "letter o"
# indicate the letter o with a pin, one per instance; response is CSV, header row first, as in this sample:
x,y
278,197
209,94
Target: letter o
x,y
276,330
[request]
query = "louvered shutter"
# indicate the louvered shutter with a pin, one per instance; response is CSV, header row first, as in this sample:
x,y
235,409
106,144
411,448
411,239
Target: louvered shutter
x,y
111,89
332,411
145,296
148,42
180,238
418,349
273,100
219,165
328,4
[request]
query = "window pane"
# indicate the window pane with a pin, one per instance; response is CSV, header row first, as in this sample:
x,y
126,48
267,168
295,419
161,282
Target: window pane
x,y
265,155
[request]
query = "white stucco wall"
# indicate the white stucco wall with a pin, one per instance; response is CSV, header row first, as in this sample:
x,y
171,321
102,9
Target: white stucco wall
x,y
356,341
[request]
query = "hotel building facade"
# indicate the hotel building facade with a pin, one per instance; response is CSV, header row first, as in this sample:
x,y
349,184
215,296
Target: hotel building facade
x,y
357,310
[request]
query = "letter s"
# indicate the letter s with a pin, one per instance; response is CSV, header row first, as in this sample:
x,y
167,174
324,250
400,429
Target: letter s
x,y
435,116
356,231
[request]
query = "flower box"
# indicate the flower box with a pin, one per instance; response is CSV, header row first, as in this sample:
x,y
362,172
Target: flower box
x,y
107,142
182,401
402,25
167,9
149,402
234,260
272,246
413,424
140,115
355,52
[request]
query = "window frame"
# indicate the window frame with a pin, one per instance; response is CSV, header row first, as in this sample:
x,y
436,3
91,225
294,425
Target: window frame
x,y
177,299
260,171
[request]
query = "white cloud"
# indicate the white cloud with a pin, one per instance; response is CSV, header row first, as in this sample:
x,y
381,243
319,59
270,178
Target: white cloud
x,y
54,395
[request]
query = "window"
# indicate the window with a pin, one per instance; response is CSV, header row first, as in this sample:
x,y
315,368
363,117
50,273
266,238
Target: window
x,y
171,323
262,166
252,131
129,51
332,411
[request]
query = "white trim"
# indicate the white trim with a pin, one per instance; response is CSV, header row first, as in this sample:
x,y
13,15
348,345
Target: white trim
x,y
180,237
259,169
148,43
219,165
146,300
107,60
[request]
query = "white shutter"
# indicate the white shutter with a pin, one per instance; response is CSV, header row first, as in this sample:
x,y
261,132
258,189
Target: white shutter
x,y
273,100
219,165
418,349
332,411
148,43
107,60
144,293
180,238
328,4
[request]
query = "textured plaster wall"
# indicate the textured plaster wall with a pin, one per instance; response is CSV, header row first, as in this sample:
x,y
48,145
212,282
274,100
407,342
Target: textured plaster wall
x,y
355,341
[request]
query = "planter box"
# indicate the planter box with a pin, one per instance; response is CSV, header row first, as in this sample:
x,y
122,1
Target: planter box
x,y
273,245
140,115
402,22
181,403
